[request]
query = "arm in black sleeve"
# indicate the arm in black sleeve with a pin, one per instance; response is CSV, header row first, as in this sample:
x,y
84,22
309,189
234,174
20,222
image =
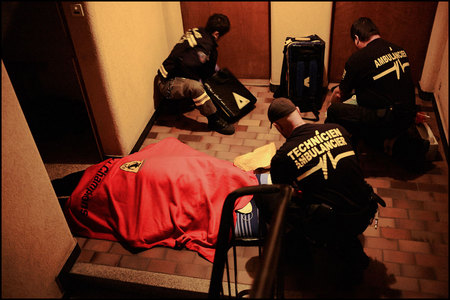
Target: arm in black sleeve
x,y
209,67
347,83
278,172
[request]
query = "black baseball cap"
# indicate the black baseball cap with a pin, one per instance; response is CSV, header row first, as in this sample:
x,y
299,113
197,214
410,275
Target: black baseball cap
x,y
279,108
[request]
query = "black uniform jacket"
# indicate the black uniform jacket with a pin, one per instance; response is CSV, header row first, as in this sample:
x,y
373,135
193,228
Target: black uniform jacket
x,y
320,161
185,59
380,76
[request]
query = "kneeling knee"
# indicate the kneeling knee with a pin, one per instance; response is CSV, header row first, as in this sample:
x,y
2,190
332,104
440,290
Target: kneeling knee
x,y
194,88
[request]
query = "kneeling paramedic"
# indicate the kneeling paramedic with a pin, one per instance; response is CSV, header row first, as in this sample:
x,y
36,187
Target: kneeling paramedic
x,y
192,60
335,204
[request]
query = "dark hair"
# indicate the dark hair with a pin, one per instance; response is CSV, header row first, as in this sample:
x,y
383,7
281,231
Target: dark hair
x,y
218,22
364,28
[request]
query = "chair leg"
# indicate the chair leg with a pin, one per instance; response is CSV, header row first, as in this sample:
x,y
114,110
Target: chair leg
x,y
235,271
228,277
280,271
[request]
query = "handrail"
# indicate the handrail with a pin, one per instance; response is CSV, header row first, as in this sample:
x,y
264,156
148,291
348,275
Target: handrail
x,y
263,284
226,227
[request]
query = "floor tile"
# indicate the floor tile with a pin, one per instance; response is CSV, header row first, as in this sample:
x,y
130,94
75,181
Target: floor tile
x,y
409,249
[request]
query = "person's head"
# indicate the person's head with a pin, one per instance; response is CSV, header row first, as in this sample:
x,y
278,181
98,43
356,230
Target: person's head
x,y
217,25
363,31
284,115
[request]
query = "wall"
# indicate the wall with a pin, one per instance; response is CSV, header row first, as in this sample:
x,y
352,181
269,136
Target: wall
x,y
435,71
120,46
297,19
36,241
119,56
441,91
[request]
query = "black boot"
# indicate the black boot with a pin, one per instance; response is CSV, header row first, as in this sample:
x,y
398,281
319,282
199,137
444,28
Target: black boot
x,y
216,123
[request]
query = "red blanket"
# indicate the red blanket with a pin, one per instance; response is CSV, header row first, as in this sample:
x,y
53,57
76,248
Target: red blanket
x,y
166,194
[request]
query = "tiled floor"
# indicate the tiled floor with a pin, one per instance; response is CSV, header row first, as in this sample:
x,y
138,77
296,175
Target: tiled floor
x,y
409,250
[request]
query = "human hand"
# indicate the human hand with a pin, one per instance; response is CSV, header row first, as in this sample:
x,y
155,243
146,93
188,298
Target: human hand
x,y
202,57
336,95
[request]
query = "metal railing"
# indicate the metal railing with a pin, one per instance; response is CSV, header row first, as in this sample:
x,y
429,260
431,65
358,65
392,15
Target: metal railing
x,y
266,279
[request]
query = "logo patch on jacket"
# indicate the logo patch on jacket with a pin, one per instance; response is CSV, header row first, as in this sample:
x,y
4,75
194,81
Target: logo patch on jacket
x,y
132,166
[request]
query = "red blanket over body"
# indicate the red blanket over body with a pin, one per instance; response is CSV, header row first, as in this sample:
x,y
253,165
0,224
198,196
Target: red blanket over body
x,y
167,194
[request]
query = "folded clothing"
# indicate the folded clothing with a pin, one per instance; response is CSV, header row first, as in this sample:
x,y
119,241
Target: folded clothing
x,y
257,159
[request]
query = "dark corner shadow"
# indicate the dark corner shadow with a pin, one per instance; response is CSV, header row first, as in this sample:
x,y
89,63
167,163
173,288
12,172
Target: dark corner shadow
x,y
132,250
175,118
323,275
378,164
376,283
183,122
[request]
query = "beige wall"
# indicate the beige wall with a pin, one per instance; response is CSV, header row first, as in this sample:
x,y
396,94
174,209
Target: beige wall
x,y
120,46
36,241
435,71
297,19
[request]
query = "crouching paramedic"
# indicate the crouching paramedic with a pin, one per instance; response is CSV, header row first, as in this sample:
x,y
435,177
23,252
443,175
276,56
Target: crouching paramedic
x,y
336,204
379,75
191,60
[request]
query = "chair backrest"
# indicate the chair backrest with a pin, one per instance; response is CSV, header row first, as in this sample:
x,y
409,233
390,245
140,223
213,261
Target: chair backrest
x,y
282,194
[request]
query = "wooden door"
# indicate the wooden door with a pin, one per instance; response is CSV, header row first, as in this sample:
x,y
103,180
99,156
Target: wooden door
x,y
407,24
245,49
39,58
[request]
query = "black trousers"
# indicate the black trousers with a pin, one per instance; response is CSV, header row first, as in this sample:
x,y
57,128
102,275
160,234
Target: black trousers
x,y
181,88
66,185
371,125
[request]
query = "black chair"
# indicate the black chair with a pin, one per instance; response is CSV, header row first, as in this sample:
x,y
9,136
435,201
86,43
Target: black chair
x,y
226,237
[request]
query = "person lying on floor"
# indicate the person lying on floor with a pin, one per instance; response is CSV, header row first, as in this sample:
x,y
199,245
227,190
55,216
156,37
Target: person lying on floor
x,y
167,194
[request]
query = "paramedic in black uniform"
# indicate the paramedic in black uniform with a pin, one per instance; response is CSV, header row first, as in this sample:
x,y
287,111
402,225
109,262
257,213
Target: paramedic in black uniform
x,y
191,60
379,74
319,161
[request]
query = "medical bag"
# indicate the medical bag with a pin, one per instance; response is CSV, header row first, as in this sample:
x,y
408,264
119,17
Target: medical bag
x,y
302,73
232,99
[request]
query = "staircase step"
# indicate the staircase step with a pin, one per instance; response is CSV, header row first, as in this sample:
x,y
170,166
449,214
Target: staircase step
x,y
85,279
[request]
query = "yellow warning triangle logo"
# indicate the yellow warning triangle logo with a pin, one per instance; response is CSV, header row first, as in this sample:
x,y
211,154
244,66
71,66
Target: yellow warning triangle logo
x,y
240,101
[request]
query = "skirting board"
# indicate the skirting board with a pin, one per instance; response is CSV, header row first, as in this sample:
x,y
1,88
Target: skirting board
x,y
61,279
430,97
146,130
